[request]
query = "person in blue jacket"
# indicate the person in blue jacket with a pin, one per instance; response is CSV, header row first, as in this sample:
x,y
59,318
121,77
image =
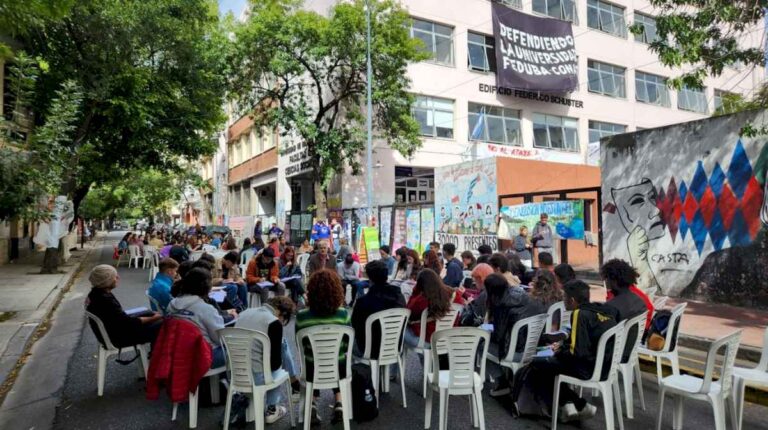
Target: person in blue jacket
x,y
454,268
160,289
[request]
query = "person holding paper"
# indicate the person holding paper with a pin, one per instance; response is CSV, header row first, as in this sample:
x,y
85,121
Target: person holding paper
x,y
228,276
263,275
123,329
291,276
349,272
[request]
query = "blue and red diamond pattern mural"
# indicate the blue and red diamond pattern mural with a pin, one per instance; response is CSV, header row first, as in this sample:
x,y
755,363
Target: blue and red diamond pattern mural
x,y
724,205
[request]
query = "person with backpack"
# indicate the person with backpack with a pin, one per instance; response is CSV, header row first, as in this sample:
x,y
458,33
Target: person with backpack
x,y
454,269
620,279
576,356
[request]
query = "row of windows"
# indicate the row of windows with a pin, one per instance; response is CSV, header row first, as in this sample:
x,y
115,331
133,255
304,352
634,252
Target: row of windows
x,y
502,125
249,145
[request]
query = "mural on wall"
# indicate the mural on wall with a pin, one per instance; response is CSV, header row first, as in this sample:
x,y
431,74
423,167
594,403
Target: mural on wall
x,y
466,204
693,222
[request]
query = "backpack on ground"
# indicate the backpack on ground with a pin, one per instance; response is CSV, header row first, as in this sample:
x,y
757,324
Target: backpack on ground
x,y
364,406
657,333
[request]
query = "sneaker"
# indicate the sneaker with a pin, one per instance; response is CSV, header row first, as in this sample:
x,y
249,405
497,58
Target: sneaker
x,y
315,420
338,413
568,413
501,389
274,413
588,412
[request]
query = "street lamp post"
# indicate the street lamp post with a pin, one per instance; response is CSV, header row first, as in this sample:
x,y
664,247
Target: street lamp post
x,y
369,116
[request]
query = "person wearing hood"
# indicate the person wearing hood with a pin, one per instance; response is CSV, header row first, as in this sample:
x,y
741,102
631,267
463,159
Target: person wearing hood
x,y
505,306
576,356
191,306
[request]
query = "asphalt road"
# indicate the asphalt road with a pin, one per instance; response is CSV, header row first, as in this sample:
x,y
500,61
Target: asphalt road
x,y
124,405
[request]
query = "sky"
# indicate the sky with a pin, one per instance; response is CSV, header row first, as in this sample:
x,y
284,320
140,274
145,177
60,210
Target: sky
x,y
236,6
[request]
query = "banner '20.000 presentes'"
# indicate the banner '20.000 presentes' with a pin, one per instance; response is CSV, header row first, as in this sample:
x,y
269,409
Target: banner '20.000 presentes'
x,y
533,53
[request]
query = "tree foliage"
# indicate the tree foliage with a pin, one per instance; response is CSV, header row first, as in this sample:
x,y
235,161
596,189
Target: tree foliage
x,y
18,16
152,79
32,160
706,36
306,73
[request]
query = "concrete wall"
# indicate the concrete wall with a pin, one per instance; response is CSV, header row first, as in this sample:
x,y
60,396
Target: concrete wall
x,y
686,204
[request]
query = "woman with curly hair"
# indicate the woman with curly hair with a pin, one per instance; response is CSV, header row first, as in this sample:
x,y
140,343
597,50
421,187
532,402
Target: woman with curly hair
x,y
408,267
545,289
325,300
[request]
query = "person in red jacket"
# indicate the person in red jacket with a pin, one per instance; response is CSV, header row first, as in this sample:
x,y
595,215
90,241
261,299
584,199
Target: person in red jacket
x,y
430,295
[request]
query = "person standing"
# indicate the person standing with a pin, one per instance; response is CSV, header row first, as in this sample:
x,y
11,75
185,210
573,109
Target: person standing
x,y
321,231
275,231
336,233
257,230
522,247
542,236
454,268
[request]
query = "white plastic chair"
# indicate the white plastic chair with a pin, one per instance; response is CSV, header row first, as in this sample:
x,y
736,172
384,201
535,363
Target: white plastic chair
x,y
704,389
154,304
552,313
756,377
631,368
149,252
461,344
134,256
608,387
444,323
660,302
534,326
239,344
193,397
246,256
303,261
325,341
107,349
670,343
154,266
195,255
209,248
391,323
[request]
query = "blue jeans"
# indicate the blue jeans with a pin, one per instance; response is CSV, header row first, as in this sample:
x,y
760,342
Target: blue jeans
x,y
236,291
358,289
219,357
275,395
412,340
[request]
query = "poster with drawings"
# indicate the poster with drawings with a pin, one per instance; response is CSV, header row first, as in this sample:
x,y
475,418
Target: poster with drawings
x,y
399,235
386,225
413,229
465,198
427,227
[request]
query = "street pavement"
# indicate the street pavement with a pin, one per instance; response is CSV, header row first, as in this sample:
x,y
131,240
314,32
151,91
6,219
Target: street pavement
x,y
124,405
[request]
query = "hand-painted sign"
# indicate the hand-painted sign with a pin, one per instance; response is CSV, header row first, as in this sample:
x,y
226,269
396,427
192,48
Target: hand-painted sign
x,y
567,218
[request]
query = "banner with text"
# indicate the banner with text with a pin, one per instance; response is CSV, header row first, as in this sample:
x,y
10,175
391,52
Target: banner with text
x,y
566,218
533,53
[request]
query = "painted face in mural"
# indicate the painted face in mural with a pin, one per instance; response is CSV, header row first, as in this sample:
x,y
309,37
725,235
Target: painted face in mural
x,y
636,205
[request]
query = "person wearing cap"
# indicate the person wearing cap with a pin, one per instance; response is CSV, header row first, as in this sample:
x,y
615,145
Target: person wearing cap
x,y
263,268
123,329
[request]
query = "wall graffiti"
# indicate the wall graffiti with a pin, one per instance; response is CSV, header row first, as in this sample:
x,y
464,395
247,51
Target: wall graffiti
x,y
688,206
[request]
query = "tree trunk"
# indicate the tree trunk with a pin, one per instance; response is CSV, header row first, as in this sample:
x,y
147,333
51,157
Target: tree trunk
x,y
321,202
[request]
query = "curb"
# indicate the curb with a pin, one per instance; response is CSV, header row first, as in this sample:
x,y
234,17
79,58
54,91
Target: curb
x,y
746,352
19,346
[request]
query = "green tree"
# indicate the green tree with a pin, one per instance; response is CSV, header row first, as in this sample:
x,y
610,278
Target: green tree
x,y
153,79
306,74
17,17
706,36
32,160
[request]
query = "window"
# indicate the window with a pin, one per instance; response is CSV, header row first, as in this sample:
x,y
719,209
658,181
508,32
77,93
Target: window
x,y
725,102
435,116
555,132
606,79
481,55
648,25
498,124
598,130
562,9
606,17
692,99
268,137
438,40
651,89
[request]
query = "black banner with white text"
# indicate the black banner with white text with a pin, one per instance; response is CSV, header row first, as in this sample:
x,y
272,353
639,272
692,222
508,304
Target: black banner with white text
x,y
533,53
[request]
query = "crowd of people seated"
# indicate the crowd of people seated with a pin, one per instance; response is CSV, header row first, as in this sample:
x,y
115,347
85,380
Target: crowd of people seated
x,y
494,290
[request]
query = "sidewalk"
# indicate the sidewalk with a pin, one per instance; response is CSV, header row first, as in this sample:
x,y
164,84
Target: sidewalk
x,y
703,322
27,299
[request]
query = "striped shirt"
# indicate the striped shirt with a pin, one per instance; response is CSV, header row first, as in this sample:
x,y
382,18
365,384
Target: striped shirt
x,y
305,318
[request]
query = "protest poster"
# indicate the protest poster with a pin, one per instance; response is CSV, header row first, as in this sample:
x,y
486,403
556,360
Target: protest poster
x,y
532,52
399,236
386,225
566,218
371,238
427,226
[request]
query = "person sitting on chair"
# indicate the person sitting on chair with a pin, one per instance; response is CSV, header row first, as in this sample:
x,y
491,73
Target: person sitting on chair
x,y
289,268
160,289
263,268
